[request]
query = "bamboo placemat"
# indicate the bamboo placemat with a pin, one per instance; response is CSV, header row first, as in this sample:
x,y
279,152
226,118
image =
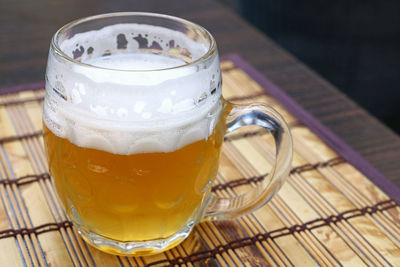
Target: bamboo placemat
x,y
327,213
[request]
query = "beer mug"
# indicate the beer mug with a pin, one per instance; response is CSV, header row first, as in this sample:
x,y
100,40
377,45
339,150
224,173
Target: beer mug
x,y
134,121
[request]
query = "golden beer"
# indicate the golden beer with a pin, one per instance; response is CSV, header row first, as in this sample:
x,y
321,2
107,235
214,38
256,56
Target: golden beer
x,y
137,197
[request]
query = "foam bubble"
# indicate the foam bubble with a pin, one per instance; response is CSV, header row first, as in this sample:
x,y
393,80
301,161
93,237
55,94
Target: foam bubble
x,y
122,109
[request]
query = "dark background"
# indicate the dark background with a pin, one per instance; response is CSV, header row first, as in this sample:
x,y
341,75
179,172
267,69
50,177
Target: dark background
x,y
354,44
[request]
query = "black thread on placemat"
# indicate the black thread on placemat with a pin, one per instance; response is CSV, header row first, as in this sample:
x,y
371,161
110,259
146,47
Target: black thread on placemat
x,y
261,237
295,123
27,179
20,137
22,101
238,182
246,97
310,167
44,228
255,179
227,69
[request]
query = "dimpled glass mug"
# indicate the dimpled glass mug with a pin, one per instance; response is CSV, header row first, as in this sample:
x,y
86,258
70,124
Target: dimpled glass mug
x,y
133,124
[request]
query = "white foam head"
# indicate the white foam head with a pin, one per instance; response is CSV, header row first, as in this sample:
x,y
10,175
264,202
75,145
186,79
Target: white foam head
x,y
131,100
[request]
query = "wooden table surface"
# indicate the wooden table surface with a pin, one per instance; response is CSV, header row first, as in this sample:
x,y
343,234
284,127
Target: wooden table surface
x,y
26,27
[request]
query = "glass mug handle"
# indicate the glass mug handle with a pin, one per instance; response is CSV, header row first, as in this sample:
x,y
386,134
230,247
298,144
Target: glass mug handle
x,y
262,115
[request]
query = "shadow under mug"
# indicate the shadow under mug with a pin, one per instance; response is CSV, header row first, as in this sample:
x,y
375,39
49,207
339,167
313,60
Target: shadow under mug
x,y
134,121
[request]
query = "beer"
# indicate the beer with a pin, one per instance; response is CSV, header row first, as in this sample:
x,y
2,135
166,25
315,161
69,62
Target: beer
x,y
141,196
134,178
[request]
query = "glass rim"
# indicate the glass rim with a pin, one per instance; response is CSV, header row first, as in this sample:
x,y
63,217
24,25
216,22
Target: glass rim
x,y
55,46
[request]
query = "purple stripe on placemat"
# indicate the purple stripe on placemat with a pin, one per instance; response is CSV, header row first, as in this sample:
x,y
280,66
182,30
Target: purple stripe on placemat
x,y
331,139
21,87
